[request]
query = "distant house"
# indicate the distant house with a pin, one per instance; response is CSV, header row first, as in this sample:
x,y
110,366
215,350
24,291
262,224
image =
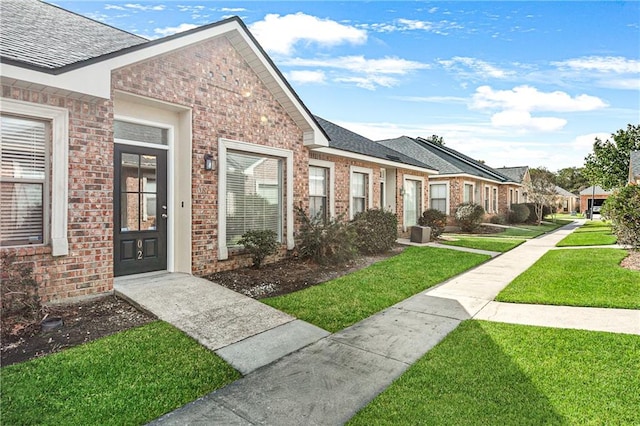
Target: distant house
x,y
122,155
593,195
460,178
519,174
567,201
634,167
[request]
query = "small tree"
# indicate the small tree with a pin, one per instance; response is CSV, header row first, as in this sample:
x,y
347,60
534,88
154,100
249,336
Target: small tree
x,y
541,190
330,241
259,244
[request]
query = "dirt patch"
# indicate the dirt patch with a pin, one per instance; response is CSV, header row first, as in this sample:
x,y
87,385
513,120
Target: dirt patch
x,y
81,323
632,261
289,275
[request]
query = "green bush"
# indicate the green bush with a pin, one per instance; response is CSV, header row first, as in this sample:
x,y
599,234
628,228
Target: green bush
x,y
332,241
376,231
434,219
532,212
623,209
519,213
469,216
498,219
259,244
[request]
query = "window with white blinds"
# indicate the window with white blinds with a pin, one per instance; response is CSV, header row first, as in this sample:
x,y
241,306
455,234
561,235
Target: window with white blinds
x,y
254,195
318,183
438,196
24,171
358,192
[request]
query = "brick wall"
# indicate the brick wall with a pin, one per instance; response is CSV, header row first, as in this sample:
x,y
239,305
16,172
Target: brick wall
x,y
228,101
88,269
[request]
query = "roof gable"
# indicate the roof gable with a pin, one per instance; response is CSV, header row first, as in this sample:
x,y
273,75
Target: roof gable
x,y
70,79
516,174
446,160
346,140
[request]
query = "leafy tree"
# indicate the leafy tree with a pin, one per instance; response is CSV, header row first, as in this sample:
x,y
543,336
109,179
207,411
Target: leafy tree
x,y
608,164
436,139
541,190
623,208
572,179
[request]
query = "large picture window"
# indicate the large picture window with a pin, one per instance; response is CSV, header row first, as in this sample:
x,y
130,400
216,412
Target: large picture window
x,y
318,184
254,195
24,189
438,196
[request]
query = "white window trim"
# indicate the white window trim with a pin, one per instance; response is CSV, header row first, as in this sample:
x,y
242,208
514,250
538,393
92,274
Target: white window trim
x,y
59,118
420,179
473,192
369,172
332,178
495,199
448,194
223,146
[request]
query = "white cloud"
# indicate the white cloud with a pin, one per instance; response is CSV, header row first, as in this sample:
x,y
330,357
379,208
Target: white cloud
x,y
167,31
306,77
360,64
604,64
369,82
113,7
621,83
527,98
523,121
279,34
402,25
142,8
585,142
476,66
232,9
433,99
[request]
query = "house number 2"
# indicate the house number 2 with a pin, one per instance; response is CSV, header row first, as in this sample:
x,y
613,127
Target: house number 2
x,y
140,253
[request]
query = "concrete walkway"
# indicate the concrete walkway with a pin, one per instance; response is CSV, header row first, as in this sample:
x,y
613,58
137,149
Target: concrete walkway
x,y
327,382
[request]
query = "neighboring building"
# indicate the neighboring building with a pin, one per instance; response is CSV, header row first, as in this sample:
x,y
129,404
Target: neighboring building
x,y
520,175
634,167
378,177
567,202
460,178
122,155
593,195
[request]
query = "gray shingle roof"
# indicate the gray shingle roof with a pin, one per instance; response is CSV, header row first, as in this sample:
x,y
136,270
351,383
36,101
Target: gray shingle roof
x,y
563,192
41,35
634,163
516,174
346,140
598,191
446,160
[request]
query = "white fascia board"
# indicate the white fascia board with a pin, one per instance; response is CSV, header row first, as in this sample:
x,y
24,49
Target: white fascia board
x,y
468,176
376,160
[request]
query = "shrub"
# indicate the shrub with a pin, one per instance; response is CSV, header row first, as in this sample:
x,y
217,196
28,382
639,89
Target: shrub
x,y
469,216
332,241
376,231
19,297
434,219
498,219
623,209
519,213
532,212
259,244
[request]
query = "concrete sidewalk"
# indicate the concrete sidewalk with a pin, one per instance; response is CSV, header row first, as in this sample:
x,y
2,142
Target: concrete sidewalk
x,y
327,382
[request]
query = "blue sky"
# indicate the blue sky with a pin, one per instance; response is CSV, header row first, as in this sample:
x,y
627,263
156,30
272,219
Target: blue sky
x,y
510,83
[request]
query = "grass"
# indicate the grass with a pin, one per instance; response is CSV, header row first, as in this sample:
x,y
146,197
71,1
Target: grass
x,y
486,373
344,301
500,245
590,234
126,378
529,231
585,277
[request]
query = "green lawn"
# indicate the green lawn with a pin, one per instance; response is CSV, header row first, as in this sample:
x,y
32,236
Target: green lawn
x,y
127,378
581,277
344,301
486,373
529,231
482,243
590,234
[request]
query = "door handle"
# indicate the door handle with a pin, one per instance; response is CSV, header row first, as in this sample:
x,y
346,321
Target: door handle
x,y
164,215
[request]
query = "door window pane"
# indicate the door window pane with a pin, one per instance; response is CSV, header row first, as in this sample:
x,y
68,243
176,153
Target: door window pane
x,y
140,133
412,202
138,198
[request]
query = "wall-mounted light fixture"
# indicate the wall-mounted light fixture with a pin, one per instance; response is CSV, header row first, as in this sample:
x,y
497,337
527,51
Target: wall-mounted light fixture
x,y
209,164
